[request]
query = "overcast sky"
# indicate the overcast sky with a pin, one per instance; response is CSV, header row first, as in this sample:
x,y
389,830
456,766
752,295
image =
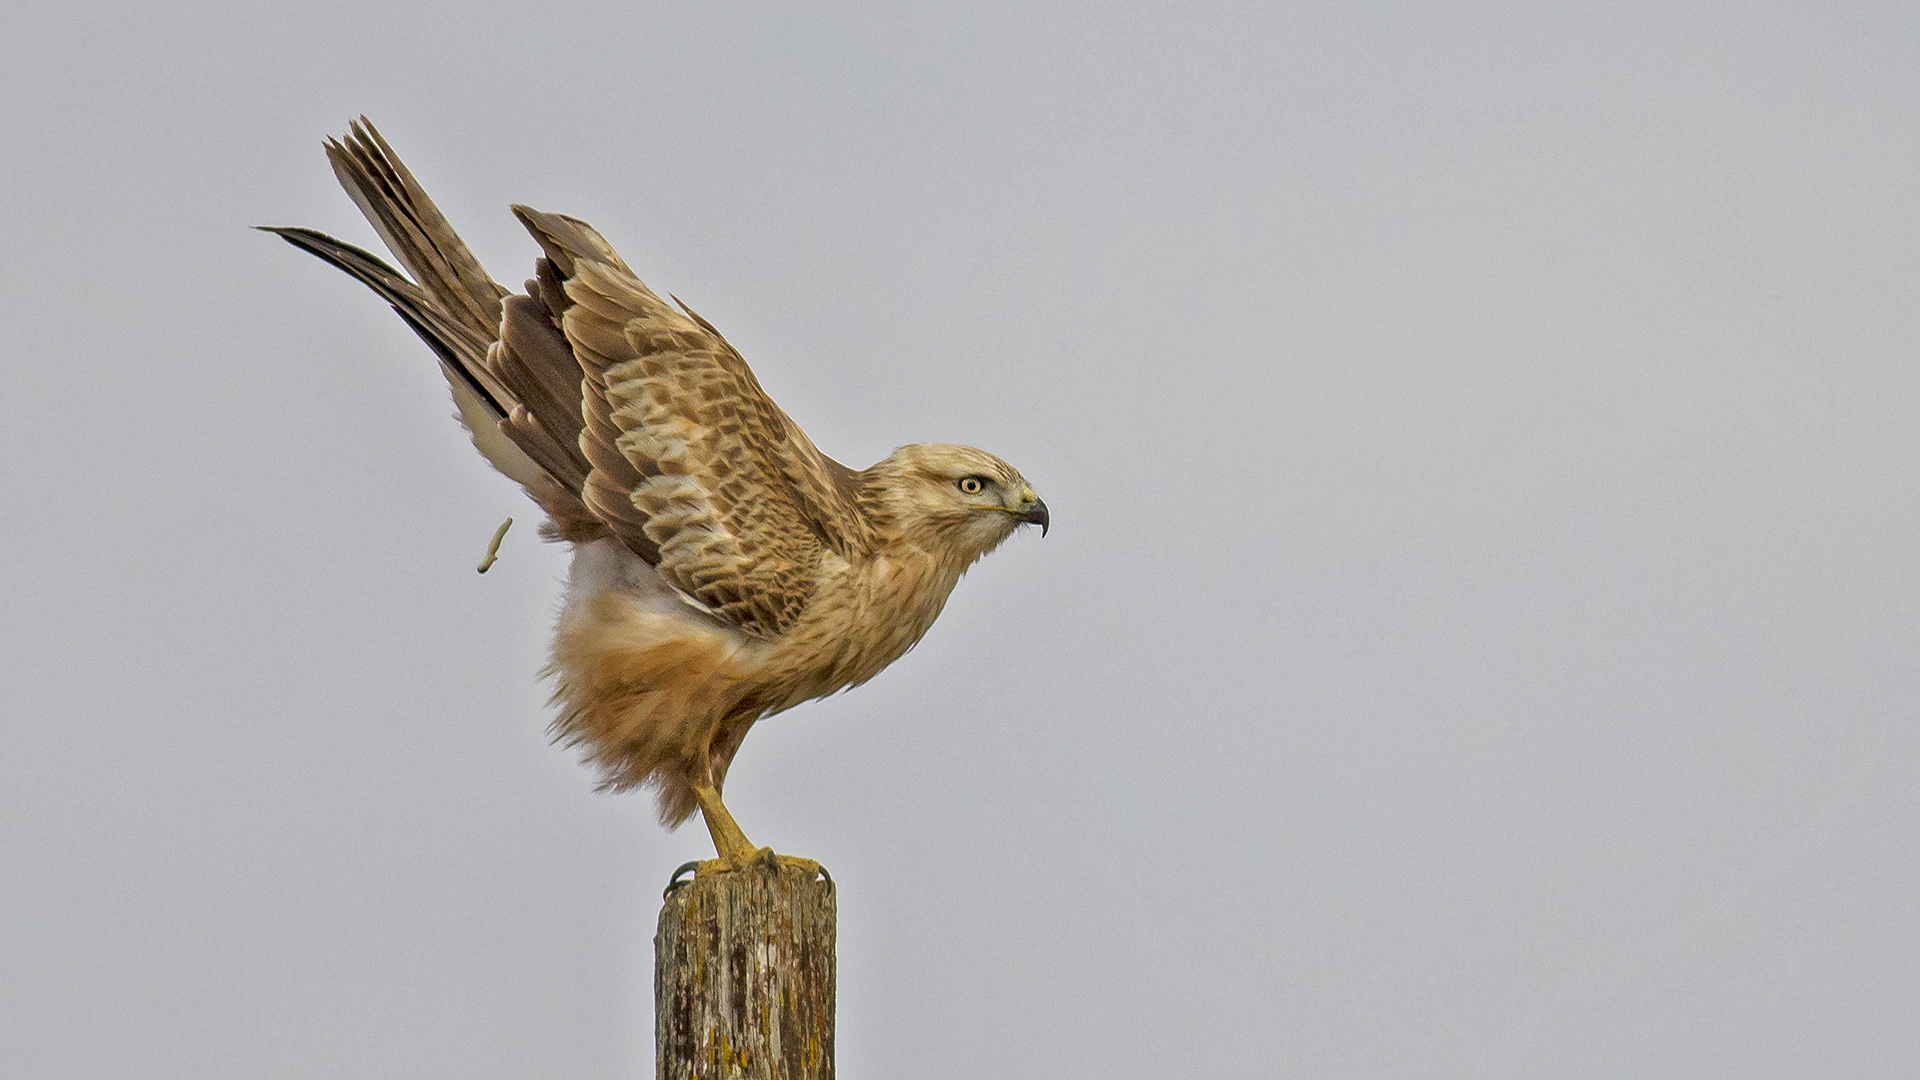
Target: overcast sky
x,y
1477,636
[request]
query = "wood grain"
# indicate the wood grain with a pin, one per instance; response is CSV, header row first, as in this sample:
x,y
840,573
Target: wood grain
x,y
744,976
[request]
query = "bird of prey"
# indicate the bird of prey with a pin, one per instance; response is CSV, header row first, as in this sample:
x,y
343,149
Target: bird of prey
x,y
724,569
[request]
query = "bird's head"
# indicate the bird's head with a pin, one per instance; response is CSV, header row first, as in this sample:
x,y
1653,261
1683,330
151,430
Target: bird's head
x,y
962,500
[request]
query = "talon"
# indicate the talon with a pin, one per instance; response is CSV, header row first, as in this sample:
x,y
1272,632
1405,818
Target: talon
x,y
675,882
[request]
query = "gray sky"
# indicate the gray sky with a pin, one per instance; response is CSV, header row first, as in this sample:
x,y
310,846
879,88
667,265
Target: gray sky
x,y
1476,639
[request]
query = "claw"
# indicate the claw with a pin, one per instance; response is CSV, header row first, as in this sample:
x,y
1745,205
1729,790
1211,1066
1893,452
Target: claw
x,y
676,881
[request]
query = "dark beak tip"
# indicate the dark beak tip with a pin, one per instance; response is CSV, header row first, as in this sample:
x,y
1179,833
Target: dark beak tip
x,y
1037,515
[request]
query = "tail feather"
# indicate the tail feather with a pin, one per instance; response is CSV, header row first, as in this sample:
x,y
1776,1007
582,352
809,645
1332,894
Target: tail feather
x,y
519,397
457,345
413,227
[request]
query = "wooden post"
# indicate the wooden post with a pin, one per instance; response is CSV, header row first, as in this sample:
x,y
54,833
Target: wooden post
x,y
743,976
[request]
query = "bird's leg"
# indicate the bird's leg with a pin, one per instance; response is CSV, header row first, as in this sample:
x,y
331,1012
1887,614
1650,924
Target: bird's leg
x,y
733,846
736,851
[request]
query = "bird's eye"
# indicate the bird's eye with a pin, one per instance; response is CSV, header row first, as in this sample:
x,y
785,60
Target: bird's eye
x,y
973,485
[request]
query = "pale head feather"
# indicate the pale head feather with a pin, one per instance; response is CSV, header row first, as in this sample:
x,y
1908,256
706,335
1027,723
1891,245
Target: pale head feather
x,y
923,492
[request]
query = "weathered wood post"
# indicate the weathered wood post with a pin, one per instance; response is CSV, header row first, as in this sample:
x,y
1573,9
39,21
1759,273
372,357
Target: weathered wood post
x,y
743,975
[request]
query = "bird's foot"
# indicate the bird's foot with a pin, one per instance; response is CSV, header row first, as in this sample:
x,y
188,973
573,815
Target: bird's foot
x,y
735,850
811,868
763,858
725,865
759,858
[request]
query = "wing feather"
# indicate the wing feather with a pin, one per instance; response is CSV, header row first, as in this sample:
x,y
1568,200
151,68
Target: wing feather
x,y
739,504
620,412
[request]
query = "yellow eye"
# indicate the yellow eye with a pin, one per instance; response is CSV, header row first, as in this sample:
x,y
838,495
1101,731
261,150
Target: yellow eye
x,y
972,485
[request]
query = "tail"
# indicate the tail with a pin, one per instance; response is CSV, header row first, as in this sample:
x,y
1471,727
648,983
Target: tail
x,y
457,310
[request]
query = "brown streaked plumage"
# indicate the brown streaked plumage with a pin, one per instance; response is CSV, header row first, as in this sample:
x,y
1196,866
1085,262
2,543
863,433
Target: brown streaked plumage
x,y
724,568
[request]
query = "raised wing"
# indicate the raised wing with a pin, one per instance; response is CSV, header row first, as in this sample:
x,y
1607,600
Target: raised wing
x,y
621,414
458,311
736,505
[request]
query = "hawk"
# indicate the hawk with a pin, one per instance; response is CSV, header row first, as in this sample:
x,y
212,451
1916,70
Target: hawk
x,y
724,569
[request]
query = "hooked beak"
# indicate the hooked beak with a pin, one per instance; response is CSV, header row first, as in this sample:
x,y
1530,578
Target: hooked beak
x,y
1034,515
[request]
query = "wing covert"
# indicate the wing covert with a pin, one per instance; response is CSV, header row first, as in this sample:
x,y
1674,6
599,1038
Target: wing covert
x,y
737,501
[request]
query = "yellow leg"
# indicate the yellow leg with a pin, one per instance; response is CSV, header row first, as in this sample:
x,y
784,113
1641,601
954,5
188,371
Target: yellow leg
x,y
732,845
735,850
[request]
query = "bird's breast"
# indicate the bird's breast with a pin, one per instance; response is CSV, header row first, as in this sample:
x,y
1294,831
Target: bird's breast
x,y
862,616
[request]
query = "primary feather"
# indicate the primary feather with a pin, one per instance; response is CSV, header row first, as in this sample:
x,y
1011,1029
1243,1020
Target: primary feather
x,y
724,568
